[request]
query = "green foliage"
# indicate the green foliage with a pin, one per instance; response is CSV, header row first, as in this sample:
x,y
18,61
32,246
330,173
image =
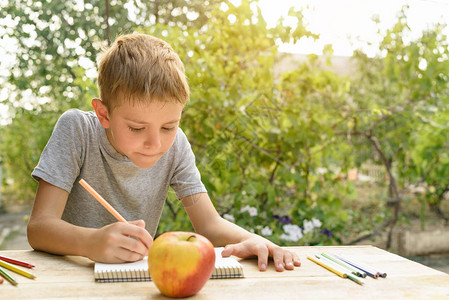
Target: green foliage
x,y
271,149
258,140
21,144
58,43
401,98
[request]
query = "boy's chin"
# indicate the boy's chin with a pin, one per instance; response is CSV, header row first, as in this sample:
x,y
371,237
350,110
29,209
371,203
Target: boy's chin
x,y
144,164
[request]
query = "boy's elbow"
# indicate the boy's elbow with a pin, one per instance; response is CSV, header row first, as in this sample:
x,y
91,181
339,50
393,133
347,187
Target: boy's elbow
x,y
32,235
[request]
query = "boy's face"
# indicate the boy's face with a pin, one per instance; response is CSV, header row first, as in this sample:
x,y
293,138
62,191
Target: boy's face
x,y
142,132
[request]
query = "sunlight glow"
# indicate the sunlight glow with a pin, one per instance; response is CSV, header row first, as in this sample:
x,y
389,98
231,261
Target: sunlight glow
x,y
348,24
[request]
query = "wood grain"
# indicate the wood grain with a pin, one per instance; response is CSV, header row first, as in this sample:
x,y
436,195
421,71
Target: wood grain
x,y
72,277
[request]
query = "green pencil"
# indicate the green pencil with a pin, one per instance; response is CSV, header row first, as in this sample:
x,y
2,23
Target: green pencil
x,y
342,263
344,270
355,278
8,277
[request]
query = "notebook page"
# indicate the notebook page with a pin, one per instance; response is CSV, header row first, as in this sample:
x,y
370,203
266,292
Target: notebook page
x,y
134,271
225,267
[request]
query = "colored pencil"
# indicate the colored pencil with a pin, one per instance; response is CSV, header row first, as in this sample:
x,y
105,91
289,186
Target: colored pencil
x,y
357,265
353,270
16,262
369,268
16,270
326,266
1,279
355,279
102,201
381,274
7,276
340,268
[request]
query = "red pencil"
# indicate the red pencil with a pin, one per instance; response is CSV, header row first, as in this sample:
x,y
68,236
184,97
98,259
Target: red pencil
x,y
16,262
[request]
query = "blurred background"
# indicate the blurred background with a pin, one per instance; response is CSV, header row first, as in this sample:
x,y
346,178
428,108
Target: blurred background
x,y
313,122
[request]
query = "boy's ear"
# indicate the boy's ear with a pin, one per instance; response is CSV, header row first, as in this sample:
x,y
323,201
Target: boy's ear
x,y
101,111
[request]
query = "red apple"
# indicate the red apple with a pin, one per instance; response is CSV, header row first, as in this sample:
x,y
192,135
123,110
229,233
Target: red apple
x,y
180,263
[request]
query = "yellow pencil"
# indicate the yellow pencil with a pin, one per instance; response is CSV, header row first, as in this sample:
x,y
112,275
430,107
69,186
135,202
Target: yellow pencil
x,y
326,266
16,270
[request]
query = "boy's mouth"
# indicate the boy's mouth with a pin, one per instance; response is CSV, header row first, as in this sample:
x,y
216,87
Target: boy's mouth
x,y
149,155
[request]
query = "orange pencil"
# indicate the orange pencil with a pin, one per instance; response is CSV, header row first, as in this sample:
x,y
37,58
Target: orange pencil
x,y
102,201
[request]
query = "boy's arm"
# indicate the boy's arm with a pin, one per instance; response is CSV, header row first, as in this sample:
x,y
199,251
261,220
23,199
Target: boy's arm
x,y
113,243
239,242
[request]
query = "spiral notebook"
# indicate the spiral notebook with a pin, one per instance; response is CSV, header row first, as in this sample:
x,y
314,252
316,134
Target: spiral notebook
x,y
225,267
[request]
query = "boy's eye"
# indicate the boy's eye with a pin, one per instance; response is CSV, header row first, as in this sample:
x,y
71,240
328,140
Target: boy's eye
x,y
168,128
133,129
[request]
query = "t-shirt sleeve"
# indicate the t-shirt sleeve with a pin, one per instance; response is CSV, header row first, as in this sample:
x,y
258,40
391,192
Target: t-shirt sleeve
x,y
61,159
186,179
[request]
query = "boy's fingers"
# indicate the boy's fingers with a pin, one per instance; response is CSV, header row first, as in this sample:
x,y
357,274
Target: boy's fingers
x,y
123,255
140,234
288,260
296,260
139,223
262,255
229,250
278,258
241,250
283,259
131,245
291,260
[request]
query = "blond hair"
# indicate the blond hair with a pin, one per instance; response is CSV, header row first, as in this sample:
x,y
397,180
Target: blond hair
x,y
139,68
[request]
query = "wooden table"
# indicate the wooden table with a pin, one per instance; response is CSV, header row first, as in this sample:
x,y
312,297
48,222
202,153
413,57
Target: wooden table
x,y
72,277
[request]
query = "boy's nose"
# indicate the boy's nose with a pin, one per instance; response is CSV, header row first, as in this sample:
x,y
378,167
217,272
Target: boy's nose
x,y
152,141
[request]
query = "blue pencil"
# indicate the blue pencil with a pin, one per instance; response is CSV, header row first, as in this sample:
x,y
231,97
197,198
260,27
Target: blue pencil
x,y
359,266
344,270
370,268
353,270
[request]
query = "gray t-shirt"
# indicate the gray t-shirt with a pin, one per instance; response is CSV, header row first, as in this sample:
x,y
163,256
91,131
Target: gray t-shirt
x,y
79,149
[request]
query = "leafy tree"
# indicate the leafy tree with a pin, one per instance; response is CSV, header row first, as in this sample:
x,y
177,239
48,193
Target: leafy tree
x,y
58,43
271,149
258,140
18,148
393,95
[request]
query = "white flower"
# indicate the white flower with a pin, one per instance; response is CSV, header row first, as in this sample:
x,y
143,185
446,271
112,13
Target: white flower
x,y
293,233
321,171
251,210
308,226
229,217
266,231
245,208
316,223
287,238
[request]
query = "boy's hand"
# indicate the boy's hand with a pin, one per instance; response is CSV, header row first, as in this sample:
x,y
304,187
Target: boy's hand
x,y
120,242
262,248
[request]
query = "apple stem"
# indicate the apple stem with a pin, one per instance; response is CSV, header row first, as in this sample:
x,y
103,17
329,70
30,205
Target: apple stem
x,y
192,236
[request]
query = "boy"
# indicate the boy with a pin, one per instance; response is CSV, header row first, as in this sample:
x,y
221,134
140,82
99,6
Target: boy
x,y
130,151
